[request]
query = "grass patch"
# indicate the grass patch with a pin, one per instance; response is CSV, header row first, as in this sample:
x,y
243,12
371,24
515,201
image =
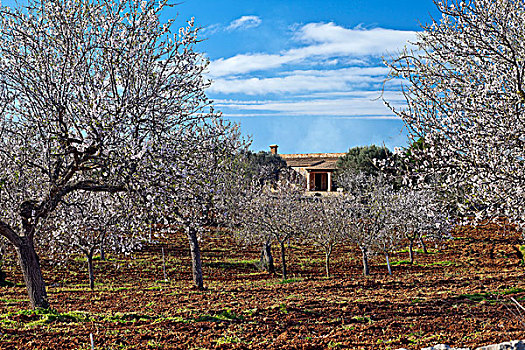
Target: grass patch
x,y
228,340
362,319
400,262
459,238
155,288
290,280
419,251
119,289
443,263
332,344
476,296
225,315
490,295
513,290
13,301
251,312
129,317
39,317
232,264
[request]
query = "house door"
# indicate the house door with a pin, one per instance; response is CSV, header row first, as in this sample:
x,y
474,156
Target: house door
x,y
321,182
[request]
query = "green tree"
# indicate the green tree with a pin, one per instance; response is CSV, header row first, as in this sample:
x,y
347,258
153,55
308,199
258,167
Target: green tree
x,y
361,159
263,166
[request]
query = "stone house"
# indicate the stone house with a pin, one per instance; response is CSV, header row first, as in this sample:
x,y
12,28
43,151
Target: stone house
x,y
316,168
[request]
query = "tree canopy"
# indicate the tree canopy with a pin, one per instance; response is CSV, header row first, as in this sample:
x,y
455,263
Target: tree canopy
x,y
90,91
361,159
463,82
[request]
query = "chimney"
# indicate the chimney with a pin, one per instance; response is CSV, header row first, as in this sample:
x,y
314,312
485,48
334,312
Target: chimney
x,y
273,149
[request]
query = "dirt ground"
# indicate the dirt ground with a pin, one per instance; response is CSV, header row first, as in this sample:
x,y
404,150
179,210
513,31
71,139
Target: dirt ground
x,y
459,295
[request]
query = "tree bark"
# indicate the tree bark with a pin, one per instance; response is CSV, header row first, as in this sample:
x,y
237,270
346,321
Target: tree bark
x,y
267,257
90,270
328,253
366,269
102,252
2,274
388,264
283,260
30,264
196,264
411,251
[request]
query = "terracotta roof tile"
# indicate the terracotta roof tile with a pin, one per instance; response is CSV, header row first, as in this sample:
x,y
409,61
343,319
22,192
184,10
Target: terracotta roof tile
x,y
313,161
326,165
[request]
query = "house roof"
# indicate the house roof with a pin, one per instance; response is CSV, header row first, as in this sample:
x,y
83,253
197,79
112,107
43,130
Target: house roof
x,y
325,165
312,161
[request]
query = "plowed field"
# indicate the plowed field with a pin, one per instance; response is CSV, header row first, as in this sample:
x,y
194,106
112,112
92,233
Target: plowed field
x,y
459,293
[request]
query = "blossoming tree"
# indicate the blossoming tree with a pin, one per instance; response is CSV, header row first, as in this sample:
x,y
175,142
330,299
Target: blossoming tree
x,y
188,184
86,86
89,222
276,211
464,88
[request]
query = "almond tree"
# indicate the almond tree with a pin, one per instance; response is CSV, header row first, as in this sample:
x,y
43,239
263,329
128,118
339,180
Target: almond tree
x,y
86,221
415,213
464,87
365,210
388,237
324,226
361,231
412,217
86,88
275,210
387,241
188,185
256,170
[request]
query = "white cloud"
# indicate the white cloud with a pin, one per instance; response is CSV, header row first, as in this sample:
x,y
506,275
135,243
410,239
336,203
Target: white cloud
x,y
240,64
323,41
360,105
327,71
244,22
329,39
211,29
303,81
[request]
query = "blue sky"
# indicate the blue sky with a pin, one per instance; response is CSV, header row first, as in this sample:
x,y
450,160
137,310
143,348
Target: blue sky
x,y
305,74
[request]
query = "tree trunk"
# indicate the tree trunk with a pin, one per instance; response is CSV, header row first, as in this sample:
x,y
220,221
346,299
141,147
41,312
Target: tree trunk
x,y
90,270
102,252
283,260
328,253
267,258
366,269
411,251
30,265
423,245
388,264
2,274
196,264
